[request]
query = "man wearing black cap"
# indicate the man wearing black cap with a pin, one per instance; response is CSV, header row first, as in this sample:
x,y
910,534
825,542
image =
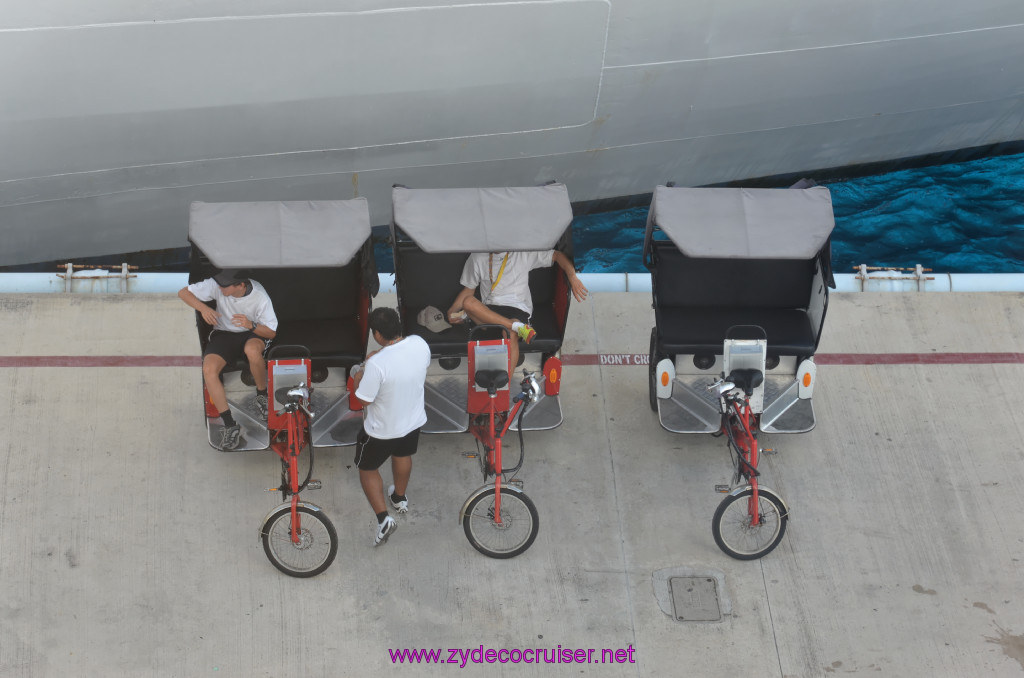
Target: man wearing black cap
x,y
244,321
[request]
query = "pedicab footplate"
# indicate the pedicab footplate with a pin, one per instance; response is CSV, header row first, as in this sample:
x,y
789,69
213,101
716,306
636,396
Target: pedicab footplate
x,y
254,427
446,402
693,409
334,424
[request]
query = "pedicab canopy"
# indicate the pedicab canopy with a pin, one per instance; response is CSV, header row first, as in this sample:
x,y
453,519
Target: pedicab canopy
x,y
483,219
294,234
743,223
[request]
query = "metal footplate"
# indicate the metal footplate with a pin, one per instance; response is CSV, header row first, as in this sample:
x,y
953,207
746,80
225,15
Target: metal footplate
x,y
254,427
334,424
691,409
444,397
784,411
445,401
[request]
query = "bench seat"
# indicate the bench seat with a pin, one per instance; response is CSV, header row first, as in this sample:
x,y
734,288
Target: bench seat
x,y
702,330
452,342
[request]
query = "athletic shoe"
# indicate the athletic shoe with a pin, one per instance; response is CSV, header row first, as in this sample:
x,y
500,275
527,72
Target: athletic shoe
x,y
261,404
384,531
526,333
400,506
230,437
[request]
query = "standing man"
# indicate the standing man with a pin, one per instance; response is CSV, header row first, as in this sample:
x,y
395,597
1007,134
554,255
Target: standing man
x,y
505,299
243,322
390,385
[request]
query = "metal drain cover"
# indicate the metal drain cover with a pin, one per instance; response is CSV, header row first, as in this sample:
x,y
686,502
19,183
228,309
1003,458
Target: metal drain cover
x,y
695,599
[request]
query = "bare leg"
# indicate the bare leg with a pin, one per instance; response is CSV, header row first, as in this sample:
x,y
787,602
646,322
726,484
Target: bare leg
x,y
213,365
257,365
373,488
481,314
401,469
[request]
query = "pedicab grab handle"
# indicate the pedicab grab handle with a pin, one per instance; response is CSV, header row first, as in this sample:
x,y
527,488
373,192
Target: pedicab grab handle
x,y
297,348
484,327
741,329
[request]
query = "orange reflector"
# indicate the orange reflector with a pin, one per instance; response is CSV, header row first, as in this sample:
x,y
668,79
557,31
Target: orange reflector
x,y
553,376
807,379
664,378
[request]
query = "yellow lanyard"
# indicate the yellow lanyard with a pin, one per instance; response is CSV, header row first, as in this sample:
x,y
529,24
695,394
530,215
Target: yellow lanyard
x,y
490,269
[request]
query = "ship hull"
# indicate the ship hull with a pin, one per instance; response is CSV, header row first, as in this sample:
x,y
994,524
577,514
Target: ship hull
x,y
115,121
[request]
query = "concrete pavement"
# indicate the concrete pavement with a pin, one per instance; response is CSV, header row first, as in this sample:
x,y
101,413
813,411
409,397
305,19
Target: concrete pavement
x,y
128,547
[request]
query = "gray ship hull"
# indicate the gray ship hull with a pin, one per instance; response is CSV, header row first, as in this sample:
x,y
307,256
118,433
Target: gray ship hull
x,y
117,116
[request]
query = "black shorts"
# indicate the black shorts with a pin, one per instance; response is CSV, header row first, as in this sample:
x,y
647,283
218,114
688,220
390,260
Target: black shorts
x,y
372,452
512,313
231,345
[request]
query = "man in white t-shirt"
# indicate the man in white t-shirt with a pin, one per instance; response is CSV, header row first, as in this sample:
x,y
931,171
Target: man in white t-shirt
x,y
390,385
243,322
504,282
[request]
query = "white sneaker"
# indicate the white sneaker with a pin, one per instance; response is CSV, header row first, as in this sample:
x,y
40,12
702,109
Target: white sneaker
x,y
384,531
400,506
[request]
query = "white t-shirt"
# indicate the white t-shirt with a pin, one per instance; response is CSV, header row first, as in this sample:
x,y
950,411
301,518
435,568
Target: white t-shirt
x,y
513,288
255,305
392,384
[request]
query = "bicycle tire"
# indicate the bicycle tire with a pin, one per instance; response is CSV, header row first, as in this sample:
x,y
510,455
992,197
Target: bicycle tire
x,y
733,533
652,373
318,544
519,526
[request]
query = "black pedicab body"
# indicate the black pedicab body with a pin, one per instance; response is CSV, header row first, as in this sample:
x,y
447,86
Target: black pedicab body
x,y
723,258
433,232
315,259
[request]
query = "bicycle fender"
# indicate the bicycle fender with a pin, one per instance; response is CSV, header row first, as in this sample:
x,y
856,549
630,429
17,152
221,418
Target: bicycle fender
x,y
287,504
480,490
761,490
665,373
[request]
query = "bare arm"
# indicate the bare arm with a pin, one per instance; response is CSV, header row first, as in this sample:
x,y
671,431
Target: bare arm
x,y
209,315
578,289
261,331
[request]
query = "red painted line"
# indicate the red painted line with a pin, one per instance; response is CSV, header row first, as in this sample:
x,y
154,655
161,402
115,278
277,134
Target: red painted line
x,y
918,358
613,359
603,359
100,361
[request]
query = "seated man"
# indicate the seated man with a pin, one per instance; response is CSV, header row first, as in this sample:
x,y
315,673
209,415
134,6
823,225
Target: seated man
x,y
244,321
504,282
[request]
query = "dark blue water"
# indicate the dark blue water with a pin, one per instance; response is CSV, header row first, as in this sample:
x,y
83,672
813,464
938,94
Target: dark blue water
x,y
958,218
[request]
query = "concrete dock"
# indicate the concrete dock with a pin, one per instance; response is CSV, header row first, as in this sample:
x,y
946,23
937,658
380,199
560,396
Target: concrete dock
x,y
128,546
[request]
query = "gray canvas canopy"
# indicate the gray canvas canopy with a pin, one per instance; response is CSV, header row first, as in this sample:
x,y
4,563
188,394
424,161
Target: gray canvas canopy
x,y
483,219
280,234
743,223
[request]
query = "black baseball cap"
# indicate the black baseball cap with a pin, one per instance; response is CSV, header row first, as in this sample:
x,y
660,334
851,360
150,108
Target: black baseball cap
x,y
229,277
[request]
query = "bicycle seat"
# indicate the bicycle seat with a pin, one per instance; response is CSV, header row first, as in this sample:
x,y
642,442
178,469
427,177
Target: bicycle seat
x,y
281,395
491,380
747,379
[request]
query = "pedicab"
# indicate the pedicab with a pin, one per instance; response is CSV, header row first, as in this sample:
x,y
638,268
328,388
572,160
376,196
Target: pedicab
x,y
740,281
315,260
468,385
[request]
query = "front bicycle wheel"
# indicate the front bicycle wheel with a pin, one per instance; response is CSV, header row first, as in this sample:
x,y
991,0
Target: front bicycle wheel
x,y
315,550
735,532
513,535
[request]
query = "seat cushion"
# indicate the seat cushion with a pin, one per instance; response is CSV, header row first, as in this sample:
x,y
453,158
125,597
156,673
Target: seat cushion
x,y
702,330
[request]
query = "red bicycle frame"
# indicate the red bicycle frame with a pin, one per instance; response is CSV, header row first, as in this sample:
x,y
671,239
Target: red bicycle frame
x,y
746,442
288,443
492,447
